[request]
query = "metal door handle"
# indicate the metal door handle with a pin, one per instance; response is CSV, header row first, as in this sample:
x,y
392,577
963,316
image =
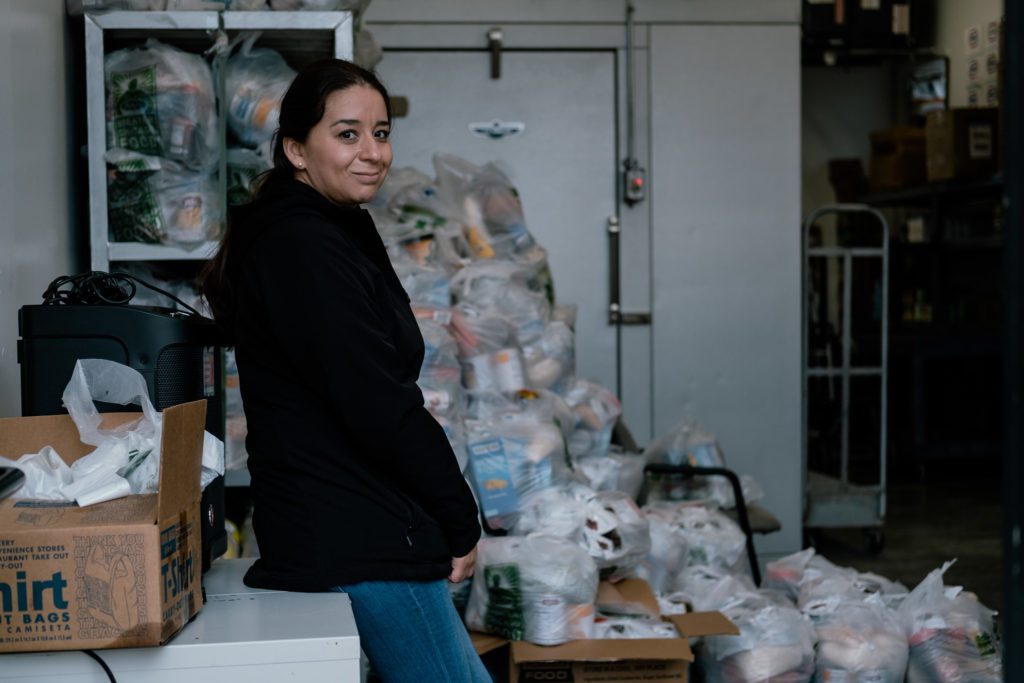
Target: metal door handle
x,y
616,316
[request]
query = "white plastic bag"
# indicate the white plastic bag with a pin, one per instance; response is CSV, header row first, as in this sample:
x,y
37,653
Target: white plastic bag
x,y
951,635
596,409
711,537
607,525
537,588
667,557
441,373
858,640
776,643
161,102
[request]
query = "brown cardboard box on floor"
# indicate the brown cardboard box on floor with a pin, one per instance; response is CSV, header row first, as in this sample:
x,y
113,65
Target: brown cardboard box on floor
x,y
651,660
962,143
124,573
897,158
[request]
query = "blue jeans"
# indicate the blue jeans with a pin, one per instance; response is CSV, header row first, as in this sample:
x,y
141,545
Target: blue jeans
x,y
411,632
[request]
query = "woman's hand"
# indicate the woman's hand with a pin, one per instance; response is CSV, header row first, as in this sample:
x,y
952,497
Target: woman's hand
x,y
462,567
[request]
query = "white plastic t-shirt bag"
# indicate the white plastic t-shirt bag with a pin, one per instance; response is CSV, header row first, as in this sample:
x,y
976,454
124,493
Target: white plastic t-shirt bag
x,y
127,457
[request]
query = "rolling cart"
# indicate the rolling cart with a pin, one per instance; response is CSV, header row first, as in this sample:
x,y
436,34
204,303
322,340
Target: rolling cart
x,y
835,502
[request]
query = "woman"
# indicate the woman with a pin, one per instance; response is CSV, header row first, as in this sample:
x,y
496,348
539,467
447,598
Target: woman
x,y
354,485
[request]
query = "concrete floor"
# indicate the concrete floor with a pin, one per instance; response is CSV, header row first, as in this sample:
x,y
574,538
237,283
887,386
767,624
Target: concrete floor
x,y
955,514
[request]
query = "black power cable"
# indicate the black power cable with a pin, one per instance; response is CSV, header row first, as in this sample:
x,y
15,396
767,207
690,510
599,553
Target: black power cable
x,y
97,287
106,669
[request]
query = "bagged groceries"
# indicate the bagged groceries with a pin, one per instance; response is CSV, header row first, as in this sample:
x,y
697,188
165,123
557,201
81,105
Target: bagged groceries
x,y
256,80
441,374
538,588
776,643
489,206
596,410
244,167
608,525
951,635
159,201
616,471
667,557
512,455
161,102
712,538
858,640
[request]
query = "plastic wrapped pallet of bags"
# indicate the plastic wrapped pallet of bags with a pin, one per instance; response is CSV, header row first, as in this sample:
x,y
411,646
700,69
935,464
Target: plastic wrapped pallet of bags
x,y
776,643
150,199
511,456
535,588
161,102
858,640
711,537
596,409
608,525
951,635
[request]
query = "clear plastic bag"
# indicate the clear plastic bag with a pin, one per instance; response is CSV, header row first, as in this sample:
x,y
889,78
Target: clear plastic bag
x,y
621,628
441,373
155,200
256,80
951,635
501,287
667,557
858,640
550,360
712,538
512,456
619,470
161,102
244,167
607,525
786,573
708,588
488,204
776,643
534,588
596,409
687,443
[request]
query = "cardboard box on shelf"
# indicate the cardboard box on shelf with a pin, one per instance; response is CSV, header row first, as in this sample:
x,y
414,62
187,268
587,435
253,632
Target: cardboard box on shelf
x,y
651,660
962,143
897,158
124,573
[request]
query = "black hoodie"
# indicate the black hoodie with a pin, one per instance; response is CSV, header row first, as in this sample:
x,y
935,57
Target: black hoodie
x,y
352,478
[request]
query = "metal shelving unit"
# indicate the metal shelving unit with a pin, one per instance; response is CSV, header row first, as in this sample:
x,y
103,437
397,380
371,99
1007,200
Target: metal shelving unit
x,y
300,37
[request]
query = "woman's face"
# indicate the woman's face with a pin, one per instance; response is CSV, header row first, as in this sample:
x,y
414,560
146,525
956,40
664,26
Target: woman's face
x,y
348,152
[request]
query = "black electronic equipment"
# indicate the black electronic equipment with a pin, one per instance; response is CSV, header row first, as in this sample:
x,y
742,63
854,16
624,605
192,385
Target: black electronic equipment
x,y
11,479
177,353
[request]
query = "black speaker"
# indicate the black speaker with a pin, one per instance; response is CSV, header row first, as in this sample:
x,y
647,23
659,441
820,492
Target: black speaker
x,y
177,354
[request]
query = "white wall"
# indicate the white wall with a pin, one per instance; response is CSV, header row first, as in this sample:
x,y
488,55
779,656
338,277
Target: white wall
x,y
953,18
35,211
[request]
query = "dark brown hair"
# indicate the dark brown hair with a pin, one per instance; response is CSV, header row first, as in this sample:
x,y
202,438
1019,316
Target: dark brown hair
x,y
301,109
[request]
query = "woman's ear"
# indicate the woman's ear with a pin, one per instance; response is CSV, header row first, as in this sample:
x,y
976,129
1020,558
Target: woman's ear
x,y
295,151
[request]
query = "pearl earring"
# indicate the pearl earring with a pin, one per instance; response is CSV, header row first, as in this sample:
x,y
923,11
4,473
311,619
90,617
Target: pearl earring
x,y
301,165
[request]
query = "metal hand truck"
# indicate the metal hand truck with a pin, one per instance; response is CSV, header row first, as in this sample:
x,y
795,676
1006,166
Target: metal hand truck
x,y
835,502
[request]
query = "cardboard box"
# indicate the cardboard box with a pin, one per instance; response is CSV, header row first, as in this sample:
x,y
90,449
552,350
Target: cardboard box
x,y
897,158
651,660
125,573
962,143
